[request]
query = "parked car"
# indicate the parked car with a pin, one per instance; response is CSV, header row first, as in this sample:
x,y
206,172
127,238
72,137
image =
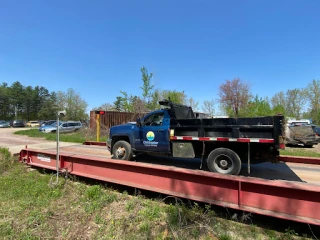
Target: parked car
x,y
49,128
33,124
75,124
18,123
304,134
64,127
48,122
316,130
4,124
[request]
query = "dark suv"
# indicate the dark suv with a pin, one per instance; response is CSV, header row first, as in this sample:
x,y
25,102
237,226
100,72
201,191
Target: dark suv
x,y
316,130
18,123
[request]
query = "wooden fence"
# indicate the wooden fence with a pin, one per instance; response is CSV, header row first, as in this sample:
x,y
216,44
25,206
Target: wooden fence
x,y
113,118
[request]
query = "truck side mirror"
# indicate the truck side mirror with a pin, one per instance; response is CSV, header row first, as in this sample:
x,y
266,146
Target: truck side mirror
x,y
138,122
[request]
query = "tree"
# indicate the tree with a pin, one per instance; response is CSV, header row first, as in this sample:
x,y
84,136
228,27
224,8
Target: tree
x,y
27,103
258,107
279,103
234,96
155,98
279,109
126,103
208,107
16,94
147,87
295,99
192,103
18,101
278,99
4,101
118,104
138,106
40,96
73,104
105,107
49,107
313,94
61,100
174,96
129,103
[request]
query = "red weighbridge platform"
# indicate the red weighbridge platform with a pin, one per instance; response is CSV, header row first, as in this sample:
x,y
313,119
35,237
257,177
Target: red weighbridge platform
x,y
282,199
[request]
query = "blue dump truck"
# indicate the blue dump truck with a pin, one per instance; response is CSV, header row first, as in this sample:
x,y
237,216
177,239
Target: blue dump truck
x,y
223,144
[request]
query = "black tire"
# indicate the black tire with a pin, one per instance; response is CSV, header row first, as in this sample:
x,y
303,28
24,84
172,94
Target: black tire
x,y
225,161
122,150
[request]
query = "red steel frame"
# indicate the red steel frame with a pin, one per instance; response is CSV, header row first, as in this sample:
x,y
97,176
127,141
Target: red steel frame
x,y
95,143
283,199
306,160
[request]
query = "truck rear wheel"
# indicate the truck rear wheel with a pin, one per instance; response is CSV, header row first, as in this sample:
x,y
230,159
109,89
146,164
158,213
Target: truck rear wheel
x,y
224,160
122,150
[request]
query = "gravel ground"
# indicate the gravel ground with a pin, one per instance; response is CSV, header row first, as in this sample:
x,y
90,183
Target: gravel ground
x,y
17,142
9,139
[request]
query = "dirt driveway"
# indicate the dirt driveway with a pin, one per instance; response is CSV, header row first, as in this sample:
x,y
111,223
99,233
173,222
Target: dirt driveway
x,y
17,142
8,138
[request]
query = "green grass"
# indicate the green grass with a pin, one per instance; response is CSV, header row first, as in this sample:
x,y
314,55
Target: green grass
x,y
78,137
299,152
34,205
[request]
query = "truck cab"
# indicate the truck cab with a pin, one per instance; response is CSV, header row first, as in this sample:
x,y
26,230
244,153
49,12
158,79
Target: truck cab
x,y
149,134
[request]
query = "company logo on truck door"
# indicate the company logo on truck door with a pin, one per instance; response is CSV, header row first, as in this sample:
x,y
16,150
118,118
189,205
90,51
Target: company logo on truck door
x,y
150,136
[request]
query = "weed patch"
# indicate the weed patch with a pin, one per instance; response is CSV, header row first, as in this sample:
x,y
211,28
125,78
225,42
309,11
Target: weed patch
x,y
6,160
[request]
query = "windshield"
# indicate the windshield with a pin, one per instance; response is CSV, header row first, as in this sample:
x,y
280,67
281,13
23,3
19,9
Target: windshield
x,y
55,124
302,130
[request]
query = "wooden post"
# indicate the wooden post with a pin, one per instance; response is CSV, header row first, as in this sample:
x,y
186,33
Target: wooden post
x,y
98,126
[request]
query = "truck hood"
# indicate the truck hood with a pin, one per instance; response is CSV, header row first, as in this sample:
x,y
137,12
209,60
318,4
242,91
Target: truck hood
x,y
123,129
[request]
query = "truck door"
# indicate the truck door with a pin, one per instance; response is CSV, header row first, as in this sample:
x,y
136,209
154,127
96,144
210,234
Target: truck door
x,y
153,135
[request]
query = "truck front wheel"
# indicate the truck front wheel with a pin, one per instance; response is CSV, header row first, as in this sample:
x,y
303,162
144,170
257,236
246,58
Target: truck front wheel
x,y
224,160
122,150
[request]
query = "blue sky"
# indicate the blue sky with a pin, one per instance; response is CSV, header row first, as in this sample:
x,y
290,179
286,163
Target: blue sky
x,y
98,47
